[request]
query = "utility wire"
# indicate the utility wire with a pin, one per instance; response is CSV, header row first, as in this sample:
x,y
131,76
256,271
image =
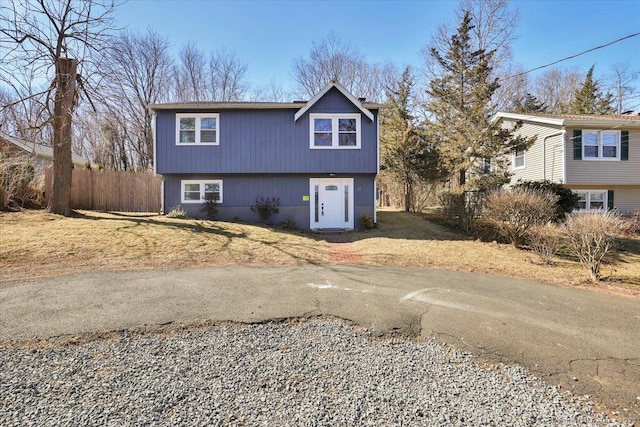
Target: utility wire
x,y
574,56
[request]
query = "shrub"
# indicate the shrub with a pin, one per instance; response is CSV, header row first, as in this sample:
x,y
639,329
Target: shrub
x,y
463,208
567,199
265,208
209,207
591,236
514,212
544,240
19,180
177,212
366,222
288,224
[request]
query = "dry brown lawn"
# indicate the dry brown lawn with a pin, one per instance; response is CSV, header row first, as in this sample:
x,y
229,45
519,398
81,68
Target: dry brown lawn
x,y
35,243
409,239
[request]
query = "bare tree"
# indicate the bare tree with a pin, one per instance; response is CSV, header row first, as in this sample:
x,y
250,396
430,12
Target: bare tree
x,y
556,87
271,92
56,40
138,70
227,77
190,81
333,59
624,84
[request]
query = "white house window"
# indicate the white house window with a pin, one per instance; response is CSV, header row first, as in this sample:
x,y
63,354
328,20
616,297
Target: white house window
x,y
340,131
197,129
591,200
518,159
198,191
600,145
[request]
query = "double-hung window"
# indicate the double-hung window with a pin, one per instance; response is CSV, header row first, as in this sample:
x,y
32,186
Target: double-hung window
x,y
518,159
592,200
340,131
600,145
201,128
199,191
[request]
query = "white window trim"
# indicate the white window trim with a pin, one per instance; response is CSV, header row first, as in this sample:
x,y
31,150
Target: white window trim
x,y
600,133
335,133
202,182
198,117
524,160
605,200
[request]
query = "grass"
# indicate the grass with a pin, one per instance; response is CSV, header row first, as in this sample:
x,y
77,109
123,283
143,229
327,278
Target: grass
x,y
35,243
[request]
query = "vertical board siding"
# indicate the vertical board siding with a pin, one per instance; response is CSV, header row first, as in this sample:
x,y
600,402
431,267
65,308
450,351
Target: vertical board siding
x,y
266,141
604,172
240,192
112,190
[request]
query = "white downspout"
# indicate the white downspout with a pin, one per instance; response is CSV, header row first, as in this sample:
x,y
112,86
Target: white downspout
x,y
544,153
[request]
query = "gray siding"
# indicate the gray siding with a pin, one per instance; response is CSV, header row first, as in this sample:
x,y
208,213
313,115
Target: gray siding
x,y
266,141
240,191
600,172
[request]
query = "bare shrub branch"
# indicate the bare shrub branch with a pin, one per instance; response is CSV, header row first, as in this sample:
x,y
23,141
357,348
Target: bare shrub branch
x,y
514,212
592,236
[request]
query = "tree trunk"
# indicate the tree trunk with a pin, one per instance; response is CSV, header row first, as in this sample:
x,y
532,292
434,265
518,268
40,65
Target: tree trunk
x,y
60,201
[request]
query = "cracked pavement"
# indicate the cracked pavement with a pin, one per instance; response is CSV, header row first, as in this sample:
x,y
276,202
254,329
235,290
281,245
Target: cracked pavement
x,y
584,340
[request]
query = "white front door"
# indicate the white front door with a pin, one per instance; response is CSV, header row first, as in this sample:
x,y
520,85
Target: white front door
x,y
331,203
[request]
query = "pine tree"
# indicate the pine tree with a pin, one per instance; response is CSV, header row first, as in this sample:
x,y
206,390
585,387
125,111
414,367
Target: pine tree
x,y
405,149
589,99
466,138
529,104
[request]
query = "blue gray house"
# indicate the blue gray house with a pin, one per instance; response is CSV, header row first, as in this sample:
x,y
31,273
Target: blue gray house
x,y
320,157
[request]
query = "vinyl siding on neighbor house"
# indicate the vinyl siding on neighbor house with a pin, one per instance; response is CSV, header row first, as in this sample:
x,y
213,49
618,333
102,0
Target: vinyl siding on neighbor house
x,y
603,172
536,167
266,141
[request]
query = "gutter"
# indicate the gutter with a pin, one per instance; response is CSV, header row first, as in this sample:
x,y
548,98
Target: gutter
x,y
544,153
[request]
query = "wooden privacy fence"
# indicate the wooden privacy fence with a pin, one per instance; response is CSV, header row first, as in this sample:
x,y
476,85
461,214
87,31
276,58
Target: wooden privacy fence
x,y
112,190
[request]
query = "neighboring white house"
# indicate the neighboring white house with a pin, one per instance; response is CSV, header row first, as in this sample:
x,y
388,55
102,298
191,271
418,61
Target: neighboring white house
x,y
41,155
598,157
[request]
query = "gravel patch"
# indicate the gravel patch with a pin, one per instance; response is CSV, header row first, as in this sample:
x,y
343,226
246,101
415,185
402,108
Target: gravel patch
x,y
309,373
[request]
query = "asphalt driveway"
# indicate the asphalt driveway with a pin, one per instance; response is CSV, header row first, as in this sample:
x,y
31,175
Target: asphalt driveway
x,y
586,341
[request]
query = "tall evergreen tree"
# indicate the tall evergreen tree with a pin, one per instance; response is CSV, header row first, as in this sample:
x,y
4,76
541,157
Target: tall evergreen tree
x,y
405,149
589,99
460,106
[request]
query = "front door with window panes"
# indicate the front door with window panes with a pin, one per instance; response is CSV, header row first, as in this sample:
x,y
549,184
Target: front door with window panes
x,y
331,203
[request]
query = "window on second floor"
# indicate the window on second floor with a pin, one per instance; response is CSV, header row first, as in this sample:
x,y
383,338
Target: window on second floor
x,y
201,128
341,131
600,145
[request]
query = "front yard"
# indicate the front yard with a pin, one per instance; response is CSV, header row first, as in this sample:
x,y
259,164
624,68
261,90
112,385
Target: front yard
x,y
35,243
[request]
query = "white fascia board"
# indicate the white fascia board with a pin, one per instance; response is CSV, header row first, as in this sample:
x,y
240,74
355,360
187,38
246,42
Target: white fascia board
x,y
526,117
342,90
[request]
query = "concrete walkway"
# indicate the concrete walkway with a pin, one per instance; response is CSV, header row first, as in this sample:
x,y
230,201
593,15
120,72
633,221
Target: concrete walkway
x,y
586,341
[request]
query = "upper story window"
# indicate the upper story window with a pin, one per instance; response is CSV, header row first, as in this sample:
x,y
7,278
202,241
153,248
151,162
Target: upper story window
x,y
340,131
518,159
201,128
198,191
600,145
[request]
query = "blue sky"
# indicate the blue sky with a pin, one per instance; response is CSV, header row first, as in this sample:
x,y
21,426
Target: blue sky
x,y
268,35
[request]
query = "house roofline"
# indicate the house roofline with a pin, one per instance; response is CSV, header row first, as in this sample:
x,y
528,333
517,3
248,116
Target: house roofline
x,y
355,101
42,151
205,105
577,120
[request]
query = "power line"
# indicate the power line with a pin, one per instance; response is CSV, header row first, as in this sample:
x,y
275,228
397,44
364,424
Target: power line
x,y
574,56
